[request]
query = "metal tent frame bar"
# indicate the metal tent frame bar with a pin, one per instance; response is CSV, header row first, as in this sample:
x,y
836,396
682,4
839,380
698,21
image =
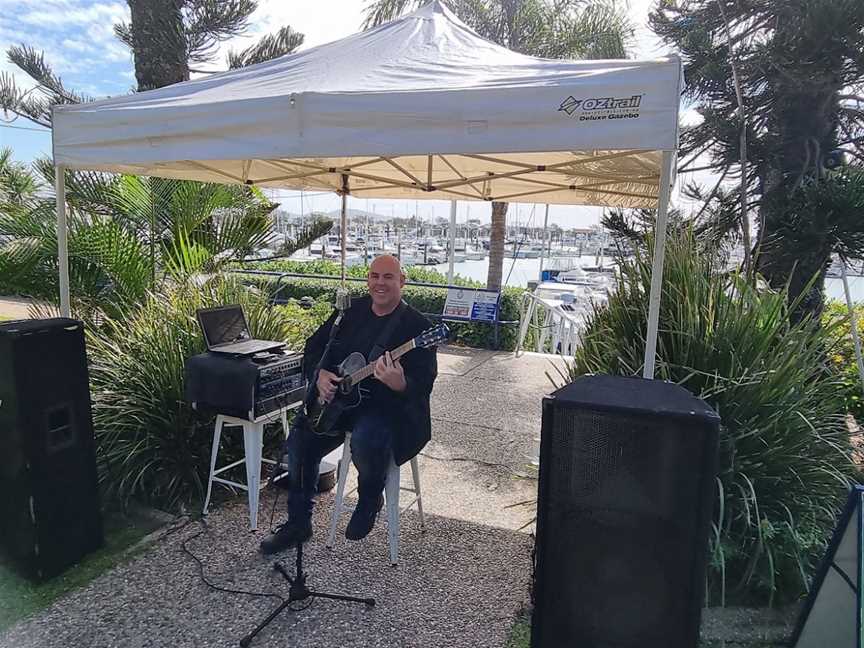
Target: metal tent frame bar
x,y
481,185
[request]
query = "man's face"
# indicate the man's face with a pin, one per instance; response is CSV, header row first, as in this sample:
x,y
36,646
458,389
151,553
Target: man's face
x,y
385,281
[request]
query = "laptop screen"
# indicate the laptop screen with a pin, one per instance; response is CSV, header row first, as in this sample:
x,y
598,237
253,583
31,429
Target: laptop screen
x,y
223,325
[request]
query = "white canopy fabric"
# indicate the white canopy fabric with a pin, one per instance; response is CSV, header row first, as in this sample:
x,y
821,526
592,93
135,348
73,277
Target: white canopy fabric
x,y
421,107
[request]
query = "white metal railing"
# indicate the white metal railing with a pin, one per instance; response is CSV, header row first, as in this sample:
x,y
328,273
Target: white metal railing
x,y
558,329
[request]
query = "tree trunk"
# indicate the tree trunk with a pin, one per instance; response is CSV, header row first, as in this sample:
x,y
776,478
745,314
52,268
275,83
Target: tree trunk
x,y
801,122
780,266
159,43
496,245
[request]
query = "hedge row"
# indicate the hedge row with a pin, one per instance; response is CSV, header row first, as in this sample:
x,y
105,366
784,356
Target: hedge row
x,y
428,300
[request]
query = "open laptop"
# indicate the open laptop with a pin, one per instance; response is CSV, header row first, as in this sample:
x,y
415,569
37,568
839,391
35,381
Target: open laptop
x,y
225,331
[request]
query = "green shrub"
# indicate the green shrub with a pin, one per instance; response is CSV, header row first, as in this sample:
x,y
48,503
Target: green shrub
x,y
785,456
843,360
151,444
423,298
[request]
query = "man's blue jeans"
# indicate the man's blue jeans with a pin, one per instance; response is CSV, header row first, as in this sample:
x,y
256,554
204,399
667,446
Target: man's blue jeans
x,y
371,452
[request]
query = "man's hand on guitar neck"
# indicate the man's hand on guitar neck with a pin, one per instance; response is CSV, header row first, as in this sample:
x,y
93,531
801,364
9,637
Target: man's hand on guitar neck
x,y
328,383
390,372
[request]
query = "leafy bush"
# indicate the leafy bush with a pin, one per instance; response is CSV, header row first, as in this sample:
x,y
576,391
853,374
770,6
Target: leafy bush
x,y
127,234
785,456
836,316
424,299
151,444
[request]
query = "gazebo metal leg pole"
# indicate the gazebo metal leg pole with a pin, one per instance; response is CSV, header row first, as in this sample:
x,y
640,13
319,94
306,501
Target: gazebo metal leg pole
x,y
62,240
543,246
853,322
657,266
452,251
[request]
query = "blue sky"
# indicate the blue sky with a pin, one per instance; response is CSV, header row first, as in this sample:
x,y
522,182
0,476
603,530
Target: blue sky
x,y
78,40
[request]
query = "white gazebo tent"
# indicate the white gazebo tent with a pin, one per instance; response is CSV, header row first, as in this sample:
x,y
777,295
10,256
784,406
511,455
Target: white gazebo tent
x,y
419,108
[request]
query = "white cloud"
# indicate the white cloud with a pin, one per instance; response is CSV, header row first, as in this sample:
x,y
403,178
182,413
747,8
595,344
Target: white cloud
x,y
70,15
321,21
647,44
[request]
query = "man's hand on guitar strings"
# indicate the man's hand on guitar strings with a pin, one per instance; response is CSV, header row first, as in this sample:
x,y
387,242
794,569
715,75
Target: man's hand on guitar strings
x,y
328,383
390,372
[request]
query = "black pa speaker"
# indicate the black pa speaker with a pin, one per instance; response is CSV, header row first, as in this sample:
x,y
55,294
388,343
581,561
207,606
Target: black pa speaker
x,y
49,500
627,469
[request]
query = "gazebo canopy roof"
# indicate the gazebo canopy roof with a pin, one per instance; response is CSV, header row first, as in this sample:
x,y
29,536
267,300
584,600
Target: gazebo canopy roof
x,y
421,107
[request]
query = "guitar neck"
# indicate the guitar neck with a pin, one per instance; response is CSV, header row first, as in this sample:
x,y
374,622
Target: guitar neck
x,y
369,369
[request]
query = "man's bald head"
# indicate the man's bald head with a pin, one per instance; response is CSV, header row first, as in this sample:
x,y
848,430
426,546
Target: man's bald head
x,y
386,263
385,281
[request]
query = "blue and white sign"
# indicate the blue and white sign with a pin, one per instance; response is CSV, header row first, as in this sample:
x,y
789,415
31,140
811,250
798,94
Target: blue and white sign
x,y
476,305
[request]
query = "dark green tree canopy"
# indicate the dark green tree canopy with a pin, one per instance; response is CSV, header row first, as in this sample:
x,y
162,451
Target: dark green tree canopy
x,y
789,75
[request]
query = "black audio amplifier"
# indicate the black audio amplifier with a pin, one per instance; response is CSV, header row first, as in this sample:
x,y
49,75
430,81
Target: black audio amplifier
x,y
246,387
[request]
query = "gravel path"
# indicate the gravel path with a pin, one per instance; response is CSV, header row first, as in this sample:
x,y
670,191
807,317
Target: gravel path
x,y
460,583
14,307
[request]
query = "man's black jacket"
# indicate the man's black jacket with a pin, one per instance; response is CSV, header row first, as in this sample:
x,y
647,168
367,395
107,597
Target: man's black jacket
x,y
408,410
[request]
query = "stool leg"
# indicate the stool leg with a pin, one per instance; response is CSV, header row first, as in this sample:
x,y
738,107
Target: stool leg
x,y
415,473
253,440
391,489
217,436
340,489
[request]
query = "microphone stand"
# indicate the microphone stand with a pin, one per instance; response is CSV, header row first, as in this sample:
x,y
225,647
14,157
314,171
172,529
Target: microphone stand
x,y
298,590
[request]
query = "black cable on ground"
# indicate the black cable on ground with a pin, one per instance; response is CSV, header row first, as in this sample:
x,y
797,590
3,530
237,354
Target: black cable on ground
x,y
203,576
273,511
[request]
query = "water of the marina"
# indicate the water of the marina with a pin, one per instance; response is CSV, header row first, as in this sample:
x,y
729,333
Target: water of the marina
x,y
517,272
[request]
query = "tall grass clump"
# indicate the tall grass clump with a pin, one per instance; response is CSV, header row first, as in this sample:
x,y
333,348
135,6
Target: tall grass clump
x,y
785,452
152,446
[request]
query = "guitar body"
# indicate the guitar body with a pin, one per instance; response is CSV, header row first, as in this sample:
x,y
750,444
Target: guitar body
x,y
353,370
324,416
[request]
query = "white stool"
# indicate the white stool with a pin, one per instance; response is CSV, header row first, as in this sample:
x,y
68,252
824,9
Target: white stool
x,y
391,495
253,443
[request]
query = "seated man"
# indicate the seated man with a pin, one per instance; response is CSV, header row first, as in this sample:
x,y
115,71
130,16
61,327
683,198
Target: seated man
x,y
392,421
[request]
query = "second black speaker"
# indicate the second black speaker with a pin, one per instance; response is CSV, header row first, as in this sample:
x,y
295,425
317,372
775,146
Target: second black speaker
x,y
627,469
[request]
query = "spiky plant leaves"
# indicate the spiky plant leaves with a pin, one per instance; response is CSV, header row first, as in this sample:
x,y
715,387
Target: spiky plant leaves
x,y
786,457
152,445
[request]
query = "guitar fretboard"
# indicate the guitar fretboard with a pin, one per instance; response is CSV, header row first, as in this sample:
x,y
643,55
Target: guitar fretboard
x,y
369,369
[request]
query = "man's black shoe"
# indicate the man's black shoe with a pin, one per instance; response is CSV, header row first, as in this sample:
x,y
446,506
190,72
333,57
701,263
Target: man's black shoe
x,y
287,535
363,520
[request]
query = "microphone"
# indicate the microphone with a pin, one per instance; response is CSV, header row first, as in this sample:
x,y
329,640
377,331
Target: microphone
x,y
343,299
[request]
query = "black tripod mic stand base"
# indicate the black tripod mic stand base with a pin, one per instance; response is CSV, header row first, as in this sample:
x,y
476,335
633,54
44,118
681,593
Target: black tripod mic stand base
x,y
299,592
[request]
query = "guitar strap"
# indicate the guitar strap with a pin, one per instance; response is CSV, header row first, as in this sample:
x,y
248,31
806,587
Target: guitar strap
x,y
380,345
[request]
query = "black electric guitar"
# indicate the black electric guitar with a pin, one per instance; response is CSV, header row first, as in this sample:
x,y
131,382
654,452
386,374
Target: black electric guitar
x,y
353,370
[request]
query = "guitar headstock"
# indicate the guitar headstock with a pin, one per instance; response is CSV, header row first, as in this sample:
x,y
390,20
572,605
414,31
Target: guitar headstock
x,y
432,336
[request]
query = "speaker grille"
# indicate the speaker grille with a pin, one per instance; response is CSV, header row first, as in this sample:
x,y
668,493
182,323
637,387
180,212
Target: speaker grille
x,y
621,528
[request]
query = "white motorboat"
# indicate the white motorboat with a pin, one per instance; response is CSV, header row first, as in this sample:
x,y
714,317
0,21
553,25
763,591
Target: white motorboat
x,y
521,253
578,277
475,254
